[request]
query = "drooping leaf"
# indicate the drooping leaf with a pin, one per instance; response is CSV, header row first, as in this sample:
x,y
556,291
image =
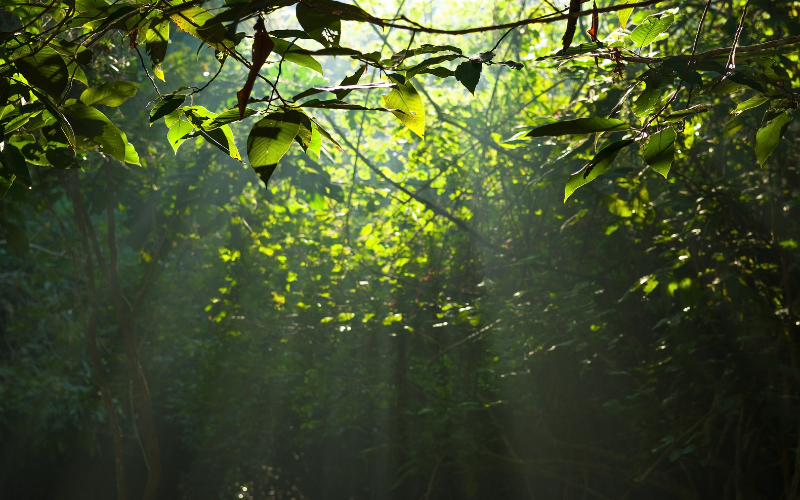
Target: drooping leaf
x,y
406,104
579,126
222,139
623,15
770,134
599,165
270,139
5,184
45,70
109,94
131,156
12,159
166,106
651,27
659,151
92,126
290,52
469,74
319,24
156,43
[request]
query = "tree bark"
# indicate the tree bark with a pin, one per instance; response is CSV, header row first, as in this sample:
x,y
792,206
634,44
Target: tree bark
x,y
127,324
91,342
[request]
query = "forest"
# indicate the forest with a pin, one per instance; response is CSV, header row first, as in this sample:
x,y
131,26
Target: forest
x,y
399,249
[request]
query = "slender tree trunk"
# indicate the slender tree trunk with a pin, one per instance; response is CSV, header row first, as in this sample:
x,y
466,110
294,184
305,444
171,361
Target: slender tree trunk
x,y
91,341
127,324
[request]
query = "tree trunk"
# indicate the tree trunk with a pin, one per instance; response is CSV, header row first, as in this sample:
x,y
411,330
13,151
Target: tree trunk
x,y
91,342
127,324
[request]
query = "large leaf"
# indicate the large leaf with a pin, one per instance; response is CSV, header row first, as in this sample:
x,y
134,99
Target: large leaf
x,y
646,33
590,125
290,52
92,126
406,104
199,23
469,74
45,70
770,134
109,94
319,24
659,151
599,165
270,139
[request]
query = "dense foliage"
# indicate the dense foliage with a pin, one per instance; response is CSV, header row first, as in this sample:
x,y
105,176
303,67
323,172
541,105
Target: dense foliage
x,y
395,317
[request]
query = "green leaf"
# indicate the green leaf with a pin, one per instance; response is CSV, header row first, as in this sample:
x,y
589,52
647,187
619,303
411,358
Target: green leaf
x,y
199,23
344,89
350,80
179,132
222,138
659,151
156,43
45,70
469,74
229,116
646,33
166,106
289,52
319,24
751,103
92,125
599,165
580,126
270,139
685,113
427,63
131,156
406,104
623,15
584,48
13,160
770,134
109,94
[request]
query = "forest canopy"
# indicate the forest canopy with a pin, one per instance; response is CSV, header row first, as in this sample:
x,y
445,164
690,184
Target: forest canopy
x,y
314,249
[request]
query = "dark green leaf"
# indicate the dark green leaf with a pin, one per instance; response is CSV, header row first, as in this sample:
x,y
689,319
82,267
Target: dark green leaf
x,y
579,126
45,70
166,106
319,24
469,74
350,80
13,160
92,125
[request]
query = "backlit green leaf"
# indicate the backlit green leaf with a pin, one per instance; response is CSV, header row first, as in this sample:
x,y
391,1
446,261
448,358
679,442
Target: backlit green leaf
x,y
599,165
770,134
270,139
45,70
646,33
406,104
659,151
109,94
